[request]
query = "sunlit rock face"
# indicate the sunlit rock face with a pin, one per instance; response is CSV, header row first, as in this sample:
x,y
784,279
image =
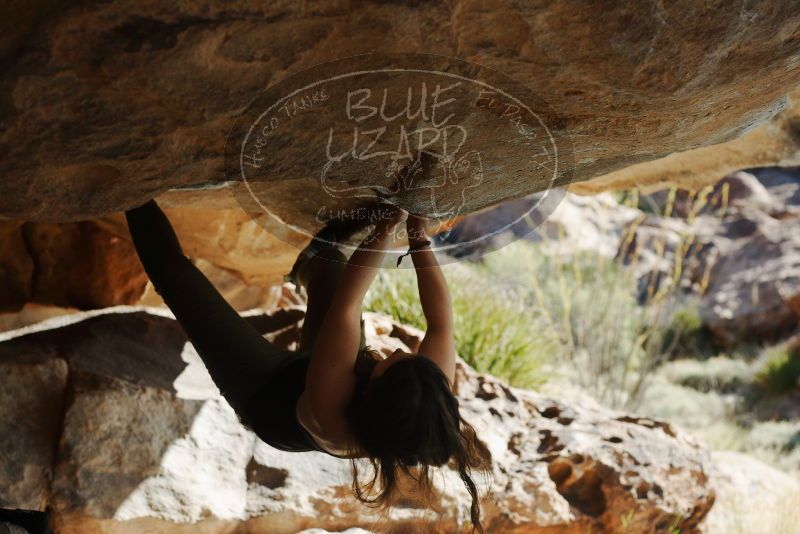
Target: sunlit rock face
x,y
228,238
735,247
107,104
144,442
754,289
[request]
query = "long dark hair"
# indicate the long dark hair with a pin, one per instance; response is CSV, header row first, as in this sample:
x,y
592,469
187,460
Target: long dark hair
x,y
405,420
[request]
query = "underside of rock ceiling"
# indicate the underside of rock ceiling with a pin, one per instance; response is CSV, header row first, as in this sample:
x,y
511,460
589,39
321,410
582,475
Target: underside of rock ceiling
x,y
105,105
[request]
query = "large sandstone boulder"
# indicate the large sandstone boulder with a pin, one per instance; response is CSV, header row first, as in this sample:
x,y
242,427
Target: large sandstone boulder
x,y
147,444
228,239
107,104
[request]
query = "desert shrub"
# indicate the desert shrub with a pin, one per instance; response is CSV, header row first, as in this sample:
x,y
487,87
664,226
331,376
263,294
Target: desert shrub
x,y
719,373
780,372
690,408
686,335
774,442
687,320
776,435
606,340
395,293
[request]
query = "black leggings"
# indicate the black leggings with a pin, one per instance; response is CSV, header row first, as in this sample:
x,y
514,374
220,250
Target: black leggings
x,y
237,357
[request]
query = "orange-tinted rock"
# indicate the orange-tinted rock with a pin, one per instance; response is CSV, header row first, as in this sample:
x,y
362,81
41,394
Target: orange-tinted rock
x,y
227,238
93,264
79,265
83,266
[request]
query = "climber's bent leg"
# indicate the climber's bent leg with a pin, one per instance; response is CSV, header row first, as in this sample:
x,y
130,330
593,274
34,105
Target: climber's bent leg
x,y
237,357
320,276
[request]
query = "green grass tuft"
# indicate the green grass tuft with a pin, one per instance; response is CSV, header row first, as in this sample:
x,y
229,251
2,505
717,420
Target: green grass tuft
x,y
781,371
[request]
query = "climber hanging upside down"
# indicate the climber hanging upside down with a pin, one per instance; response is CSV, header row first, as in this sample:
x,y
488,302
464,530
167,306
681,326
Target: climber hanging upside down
x,y
334,395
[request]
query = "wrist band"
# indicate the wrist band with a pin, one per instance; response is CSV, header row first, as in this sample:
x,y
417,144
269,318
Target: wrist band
x,y
415,248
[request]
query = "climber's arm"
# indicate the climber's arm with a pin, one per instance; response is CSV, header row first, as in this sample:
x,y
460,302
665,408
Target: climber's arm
x,y
438,343
364,264
330,379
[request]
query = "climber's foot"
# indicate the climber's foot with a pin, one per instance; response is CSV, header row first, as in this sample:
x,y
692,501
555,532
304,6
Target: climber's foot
x,y
334,233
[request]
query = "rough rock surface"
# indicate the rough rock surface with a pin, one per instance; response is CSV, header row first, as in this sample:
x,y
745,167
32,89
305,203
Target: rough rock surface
x,y
752,497
79,265
241,296
774,143
755,289
735,246
595,223
227,238
739,249
147,444
32,397
107,104
92,264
